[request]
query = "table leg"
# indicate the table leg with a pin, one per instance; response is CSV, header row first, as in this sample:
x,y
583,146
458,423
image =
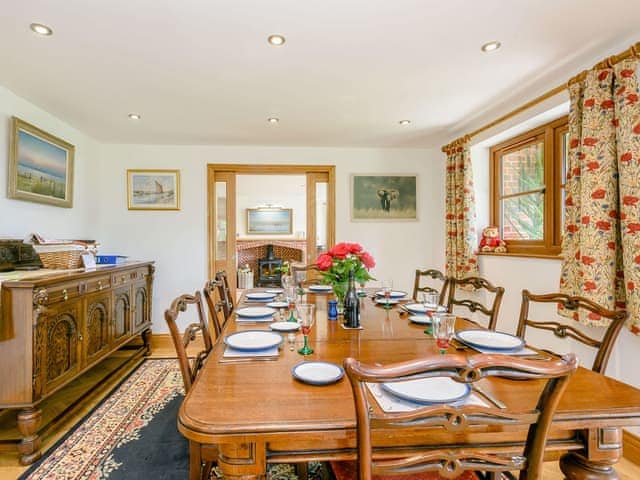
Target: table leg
x,y
29,447
576,467
602,450
242,461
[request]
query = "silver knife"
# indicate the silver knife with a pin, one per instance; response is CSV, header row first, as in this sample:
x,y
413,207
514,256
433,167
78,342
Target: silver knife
x,y
247,359
489,397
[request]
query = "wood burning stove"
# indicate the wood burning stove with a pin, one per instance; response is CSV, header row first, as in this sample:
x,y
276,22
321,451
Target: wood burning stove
x,y
268,269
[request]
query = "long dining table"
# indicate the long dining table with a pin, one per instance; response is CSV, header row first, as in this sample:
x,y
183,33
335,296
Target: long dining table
x,y
257,413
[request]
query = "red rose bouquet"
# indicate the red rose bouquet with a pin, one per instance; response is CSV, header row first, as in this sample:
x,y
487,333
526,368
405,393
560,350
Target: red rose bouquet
x,y
335,265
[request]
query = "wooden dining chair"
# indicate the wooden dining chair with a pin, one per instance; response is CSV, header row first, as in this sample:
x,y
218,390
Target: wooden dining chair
x,y
210,291
436,282
454,298
205,455
562,330
224,291
417,457
300,272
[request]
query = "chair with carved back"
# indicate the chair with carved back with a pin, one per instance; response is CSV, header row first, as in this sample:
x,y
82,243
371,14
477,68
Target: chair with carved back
x,y
206,455
456,286
418,456
436,283
210,291
563,330
224,291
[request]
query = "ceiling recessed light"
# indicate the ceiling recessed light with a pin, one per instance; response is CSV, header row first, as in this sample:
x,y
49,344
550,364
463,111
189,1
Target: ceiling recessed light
x,y
404,122
276,40
491,46
41,29
135,116
273,119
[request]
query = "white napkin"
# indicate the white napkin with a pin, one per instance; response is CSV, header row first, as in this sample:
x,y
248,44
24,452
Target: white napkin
x,y
267,352
391,403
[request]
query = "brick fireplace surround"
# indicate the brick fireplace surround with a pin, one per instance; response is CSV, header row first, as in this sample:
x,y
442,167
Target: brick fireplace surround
x,y
250,250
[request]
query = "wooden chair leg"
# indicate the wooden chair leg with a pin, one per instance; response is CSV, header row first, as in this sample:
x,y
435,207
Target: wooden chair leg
x,y
195,462
302,470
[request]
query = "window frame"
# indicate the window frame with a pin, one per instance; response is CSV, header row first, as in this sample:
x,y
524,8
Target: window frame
x,y
551,134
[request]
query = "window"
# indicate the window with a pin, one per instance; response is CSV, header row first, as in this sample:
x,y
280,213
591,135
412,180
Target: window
x,y
528,175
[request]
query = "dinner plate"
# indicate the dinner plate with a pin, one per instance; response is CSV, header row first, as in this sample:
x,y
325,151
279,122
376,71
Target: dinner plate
x,y
317,373
278,304
421,309
420,319
274,290
320,288
255,312
253,340
490,339
383,301
394,294
429,390
285,326
260,296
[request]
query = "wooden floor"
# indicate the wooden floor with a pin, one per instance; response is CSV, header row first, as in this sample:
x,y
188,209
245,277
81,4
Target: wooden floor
x,y
10,469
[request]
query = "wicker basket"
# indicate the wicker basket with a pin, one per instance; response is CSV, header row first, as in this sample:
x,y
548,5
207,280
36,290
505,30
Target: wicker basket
x,y
61,259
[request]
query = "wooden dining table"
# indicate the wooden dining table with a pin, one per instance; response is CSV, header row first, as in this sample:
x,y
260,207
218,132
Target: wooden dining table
x,y
257,413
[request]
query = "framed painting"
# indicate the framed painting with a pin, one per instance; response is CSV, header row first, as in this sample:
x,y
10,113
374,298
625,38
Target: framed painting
x,y
384,197
276,221
40,166
153,189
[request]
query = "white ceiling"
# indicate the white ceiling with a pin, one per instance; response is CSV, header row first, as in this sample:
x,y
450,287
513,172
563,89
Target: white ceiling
x,y
201,71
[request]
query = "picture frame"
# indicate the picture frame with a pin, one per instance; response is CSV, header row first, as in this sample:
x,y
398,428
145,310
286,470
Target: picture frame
x,y
149,189
88,261
269,221
387,197
40,166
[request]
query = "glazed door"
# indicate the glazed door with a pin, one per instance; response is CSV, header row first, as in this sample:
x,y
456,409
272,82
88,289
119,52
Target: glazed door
x,y
320,214
222,225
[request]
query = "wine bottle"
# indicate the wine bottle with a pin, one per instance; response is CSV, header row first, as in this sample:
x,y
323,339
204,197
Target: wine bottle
x,y
351,304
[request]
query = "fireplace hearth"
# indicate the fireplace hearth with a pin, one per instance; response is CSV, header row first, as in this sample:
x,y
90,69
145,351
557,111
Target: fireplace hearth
x,y
269,269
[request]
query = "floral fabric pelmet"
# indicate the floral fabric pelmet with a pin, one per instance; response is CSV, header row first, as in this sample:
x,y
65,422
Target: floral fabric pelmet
x,y
462,239
601,241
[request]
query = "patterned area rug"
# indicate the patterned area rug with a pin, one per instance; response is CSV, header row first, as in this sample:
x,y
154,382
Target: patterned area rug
x,y
132,434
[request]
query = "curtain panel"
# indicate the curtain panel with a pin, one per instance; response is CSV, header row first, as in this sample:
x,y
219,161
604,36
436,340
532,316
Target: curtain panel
x,y
462,239
601,241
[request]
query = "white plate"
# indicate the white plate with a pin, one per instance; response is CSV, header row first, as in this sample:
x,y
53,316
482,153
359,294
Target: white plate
x,y
260,296
320,288
429,390
285,326
421,309
420,319
490,339
274,290
394,294
253,340
255,312
317,373
278,304
383,301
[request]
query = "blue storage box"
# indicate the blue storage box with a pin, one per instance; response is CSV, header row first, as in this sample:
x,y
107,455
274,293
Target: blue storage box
x,y
110,259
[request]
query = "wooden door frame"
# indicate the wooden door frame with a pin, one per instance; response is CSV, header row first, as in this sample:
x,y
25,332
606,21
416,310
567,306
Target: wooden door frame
x,y
246,169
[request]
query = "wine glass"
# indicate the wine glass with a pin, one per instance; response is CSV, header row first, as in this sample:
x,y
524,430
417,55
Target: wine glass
x,y
291,295
387,287
430,302
443,329
306,317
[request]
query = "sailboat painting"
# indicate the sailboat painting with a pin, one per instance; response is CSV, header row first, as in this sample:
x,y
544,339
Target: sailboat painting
x,y
153,189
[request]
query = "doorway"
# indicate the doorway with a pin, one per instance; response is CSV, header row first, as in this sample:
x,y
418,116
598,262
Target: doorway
x,y
228,234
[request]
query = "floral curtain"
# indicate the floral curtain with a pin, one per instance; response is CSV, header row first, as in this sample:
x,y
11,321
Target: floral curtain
x,y
461,239
601,242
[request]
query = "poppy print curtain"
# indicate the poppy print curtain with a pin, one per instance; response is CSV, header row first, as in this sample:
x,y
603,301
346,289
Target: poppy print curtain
x,y
601,241
461,236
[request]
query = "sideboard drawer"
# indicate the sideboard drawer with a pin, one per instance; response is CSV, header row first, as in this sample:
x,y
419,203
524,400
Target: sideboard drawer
x,y
98,284
63,292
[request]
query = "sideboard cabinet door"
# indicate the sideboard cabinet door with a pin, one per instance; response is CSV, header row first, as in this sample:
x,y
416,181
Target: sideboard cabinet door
x,y
141,311
96,333
121,326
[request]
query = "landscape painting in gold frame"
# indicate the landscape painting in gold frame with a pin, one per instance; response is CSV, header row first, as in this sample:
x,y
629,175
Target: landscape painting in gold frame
x,y
153,189
40,166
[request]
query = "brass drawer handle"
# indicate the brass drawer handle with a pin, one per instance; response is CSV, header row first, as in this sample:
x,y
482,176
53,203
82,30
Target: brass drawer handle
x,y
65,295
99,285
123,278
80,337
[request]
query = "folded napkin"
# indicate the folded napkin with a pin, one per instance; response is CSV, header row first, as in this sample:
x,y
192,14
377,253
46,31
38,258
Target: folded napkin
x,y
234,353
390,403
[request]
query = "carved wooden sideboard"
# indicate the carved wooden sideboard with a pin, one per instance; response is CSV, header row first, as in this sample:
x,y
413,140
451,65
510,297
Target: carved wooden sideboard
x,y
56,327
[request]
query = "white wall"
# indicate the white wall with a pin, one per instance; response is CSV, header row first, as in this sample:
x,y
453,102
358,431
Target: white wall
x,y
18,217
177,241
287,191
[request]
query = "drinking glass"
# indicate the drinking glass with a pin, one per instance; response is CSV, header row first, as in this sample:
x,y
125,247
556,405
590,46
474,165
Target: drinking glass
x,y
443,329
306,317
430,302
291,295
387,287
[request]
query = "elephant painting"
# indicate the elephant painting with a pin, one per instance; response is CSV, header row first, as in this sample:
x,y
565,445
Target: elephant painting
x,y
386,196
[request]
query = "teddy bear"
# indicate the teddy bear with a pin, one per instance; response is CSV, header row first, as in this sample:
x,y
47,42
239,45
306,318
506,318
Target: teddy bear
x,y
491,241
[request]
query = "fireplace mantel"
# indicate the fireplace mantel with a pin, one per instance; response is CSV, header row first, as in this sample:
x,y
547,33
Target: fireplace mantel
x,y
249,250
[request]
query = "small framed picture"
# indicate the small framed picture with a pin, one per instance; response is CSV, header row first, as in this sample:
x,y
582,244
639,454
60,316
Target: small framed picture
x,y
88,261
269,221
153,189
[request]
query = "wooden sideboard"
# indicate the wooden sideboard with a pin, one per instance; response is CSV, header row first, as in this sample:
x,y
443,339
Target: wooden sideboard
x,y
57,327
